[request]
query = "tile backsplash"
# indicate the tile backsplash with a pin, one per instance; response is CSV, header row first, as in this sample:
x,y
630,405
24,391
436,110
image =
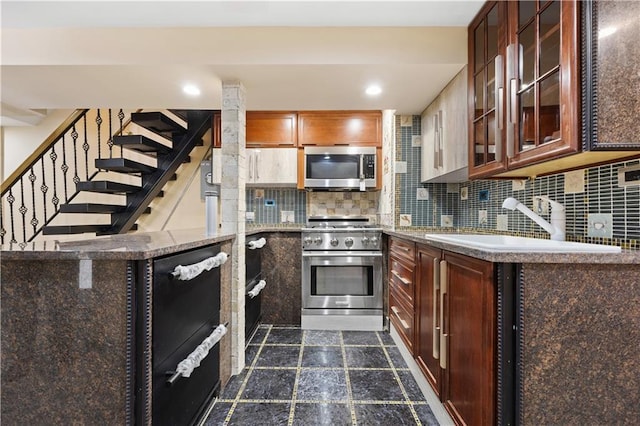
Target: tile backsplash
x,y
267,205
427,205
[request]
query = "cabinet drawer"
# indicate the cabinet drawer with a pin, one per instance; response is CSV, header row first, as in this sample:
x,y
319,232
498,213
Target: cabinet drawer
x,y
401,277
402,317
403,249
180,308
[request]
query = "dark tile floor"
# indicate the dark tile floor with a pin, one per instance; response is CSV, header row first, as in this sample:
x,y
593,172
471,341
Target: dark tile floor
x,y
309,377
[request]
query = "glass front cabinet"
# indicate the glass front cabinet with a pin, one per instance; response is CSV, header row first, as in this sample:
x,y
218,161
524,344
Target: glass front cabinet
x,y
523,84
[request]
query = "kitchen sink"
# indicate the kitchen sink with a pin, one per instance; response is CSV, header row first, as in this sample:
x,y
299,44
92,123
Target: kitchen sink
x,y
507,243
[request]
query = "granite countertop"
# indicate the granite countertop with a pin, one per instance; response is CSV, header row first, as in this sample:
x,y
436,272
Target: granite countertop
x,y
136,246
624,257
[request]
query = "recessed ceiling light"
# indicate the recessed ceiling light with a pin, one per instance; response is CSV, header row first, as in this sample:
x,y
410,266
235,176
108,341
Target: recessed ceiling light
x,y
191,90
373,90
607,31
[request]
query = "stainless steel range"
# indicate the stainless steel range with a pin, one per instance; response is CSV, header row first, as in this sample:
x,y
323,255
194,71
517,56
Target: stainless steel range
x,y
341,274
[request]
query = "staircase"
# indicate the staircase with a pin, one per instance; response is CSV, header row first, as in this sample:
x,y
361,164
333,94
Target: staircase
x,y
167,158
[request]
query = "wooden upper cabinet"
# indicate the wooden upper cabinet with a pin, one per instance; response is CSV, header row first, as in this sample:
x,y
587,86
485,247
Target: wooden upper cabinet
x,y
486,88
353,128
272,129
524,86
543,73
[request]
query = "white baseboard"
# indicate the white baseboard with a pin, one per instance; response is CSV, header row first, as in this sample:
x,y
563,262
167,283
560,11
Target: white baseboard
x,y
436,406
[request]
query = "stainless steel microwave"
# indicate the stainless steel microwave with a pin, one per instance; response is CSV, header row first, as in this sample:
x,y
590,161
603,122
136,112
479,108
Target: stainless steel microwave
x,y
340,167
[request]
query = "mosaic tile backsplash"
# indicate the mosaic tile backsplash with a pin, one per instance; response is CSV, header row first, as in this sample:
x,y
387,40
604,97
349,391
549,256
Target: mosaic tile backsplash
x,y
464,205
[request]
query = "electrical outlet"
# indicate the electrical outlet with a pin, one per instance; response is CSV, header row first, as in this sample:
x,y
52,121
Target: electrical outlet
x,y
600,225
250,216
540,206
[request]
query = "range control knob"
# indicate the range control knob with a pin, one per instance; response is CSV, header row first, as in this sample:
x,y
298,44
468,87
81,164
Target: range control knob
x,y
307,241
317,240
374,240
365,241
348,241
334,241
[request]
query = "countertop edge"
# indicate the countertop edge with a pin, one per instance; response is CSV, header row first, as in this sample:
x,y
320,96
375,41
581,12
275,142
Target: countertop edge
x,y
138,246
624,257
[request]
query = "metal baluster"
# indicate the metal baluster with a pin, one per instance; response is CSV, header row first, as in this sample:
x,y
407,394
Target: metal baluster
x,y
44,188
99,123
121,118
65,169
23,211
110,142
74,136
2,230
55,200
11,199
34,219
85,147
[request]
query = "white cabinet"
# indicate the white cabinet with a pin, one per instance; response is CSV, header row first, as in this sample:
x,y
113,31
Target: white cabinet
x,y
445,136
272,167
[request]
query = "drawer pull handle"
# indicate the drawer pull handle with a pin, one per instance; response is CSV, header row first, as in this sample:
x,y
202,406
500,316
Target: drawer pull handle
x,y
189,272
436,326
256,244
191,362
443,329
257,289
397,275
405,325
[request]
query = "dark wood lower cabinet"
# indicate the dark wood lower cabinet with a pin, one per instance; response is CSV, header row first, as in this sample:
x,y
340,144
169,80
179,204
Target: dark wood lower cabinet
x,y
456,337
427,351
468,339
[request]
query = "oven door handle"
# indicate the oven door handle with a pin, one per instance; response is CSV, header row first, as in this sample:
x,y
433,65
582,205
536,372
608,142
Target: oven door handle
x,y
341,254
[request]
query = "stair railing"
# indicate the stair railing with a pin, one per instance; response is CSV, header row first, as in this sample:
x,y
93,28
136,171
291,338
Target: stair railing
x,y
32,195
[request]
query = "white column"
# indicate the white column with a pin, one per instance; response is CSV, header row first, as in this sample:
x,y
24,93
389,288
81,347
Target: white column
x,y
233,206
386,205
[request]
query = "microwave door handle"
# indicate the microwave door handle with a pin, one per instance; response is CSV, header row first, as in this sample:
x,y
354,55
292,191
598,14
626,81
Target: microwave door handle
x,y
361,166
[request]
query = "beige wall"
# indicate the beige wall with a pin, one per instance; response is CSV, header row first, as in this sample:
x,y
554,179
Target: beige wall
x,y
20,141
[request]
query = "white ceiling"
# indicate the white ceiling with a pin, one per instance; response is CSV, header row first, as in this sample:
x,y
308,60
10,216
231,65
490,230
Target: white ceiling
x,y
290,55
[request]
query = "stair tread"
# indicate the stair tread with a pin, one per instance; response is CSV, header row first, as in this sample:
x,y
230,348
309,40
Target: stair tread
x,y
106,186
123,165
158,123
73,229
141,143
91,208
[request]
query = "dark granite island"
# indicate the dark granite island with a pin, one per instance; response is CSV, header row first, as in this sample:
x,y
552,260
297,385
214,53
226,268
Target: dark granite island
x,y
68,326
579,333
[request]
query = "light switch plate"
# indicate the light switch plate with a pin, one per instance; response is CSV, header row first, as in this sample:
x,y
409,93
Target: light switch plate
x,y
416,140
250,216
600,225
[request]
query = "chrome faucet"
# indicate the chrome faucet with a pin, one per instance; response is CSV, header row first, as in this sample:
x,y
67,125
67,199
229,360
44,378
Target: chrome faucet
x,y
558,221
